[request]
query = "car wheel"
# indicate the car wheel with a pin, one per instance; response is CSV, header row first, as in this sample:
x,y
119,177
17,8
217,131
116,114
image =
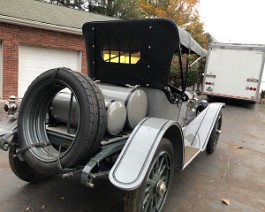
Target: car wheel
x,y
40,151
152,194
214,137
21,168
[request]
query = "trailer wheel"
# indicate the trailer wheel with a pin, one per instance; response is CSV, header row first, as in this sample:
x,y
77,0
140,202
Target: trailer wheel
x,y
43,153
21,168
214,137
152,194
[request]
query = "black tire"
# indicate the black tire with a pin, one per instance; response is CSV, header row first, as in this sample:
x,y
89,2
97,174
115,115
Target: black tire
x,y
134,200
21,168
214,137
33,113
102,121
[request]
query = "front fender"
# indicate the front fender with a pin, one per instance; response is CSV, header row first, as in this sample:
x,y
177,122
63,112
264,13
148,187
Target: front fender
x,y
197,133
133,162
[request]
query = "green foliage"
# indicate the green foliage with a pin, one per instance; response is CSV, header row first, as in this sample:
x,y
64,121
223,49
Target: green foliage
x,y
175,77
123,8
191,77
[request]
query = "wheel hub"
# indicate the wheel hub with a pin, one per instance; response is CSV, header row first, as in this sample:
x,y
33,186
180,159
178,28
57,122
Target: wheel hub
x,y
161,188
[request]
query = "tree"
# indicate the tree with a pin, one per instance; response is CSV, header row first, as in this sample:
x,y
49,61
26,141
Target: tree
x,y
117,8
183,12
75,4
114,8
125,9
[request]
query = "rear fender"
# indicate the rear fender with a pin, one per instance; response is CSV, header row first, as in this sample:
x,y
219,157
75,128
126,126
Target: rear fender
x,y
133,162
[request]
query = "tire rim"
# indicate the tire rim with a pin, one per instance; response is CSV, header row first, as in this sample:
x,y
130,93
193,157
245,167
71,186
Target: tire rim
x,y
157,183
35,122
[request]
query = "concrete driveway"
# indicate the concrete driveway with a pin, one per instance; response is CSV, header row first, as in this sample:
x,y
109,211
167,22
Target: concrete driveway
x,y
235,172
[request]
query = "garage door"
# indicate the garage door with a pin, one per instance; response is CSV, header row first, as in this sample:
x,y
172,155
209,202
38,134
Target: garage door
x,y
1,71
35,60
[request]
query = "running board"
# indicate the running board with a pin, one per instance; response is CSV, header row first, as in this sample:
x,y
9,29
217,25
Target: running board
x,y
189,154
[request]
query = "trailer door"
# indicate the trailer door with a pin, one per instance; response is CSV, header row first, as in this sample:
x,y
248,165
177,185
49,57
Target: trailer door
x,y
233,73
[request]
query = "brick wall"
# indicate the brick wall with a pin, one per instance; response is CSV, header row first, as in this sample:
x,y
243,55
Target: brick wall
x,y
12,36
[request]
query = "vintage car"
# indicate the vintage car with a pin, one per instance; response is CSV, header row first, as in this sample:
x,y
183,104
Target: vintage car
x,y
124,120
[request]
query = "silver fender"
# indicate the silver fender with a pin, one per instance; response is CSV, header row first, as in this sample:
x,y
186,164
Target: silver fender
x,y
133,162
197,133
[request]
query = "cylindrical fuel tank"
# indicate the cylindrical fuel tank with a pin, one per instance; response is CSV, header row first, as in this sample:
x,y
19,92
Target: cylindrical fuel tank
x,y
134,99
115,112
116,116
60,109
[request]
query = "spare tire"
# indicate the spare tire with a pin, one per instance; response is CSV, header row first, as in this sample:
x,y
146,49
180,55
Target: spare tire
x,y
21,168
37,147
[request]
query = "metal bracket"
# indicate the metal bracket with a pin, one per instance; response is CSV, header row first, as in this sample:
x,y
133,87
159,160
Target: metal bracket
x,y
65,172
25,148
86,176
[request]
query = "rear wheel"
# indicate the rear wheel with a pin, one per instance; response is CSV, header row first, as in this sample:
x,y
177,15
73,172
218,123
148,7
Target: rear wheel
x,y
152,194
214,137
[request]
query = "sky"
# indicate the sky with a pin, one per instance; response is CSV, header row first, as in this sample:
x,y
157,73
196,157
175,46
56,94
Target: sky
x,y
234,21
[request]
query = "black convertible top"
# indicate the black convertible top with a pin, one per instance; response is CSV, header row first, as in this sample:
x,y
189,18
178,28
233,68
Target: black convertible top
x,y
135,52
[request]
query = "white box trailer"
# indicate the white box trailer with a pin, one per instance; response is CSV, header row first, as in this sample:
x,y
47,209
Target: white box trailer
x,y
234,71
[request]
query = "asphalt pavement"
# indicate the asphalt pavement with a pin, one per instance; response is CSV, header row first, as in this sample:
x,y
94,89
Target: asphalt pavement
x,y
231,179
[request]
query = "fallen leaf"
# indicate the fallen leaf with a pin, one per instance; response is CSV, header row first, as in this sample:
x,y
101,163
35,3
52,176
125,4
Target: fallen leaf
x,y
27,209
226,201
43,207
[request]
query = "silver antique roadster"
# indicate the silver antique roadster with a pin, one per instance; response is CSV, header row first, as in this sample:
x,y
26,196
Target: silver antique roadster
x,y
124,120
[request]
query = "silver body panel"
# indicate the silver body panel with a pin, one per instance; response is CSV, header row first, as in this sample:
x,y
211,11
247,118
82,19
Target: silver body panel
x,y
160,107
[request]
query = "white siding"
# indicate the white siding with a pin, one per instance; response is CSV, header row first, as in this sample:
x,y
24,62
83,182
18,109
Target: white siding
x,y
35,60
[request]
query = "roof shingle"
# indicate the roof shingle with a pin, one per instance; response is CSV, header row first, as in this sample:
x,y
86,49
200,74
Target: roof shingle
x,y
44,14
